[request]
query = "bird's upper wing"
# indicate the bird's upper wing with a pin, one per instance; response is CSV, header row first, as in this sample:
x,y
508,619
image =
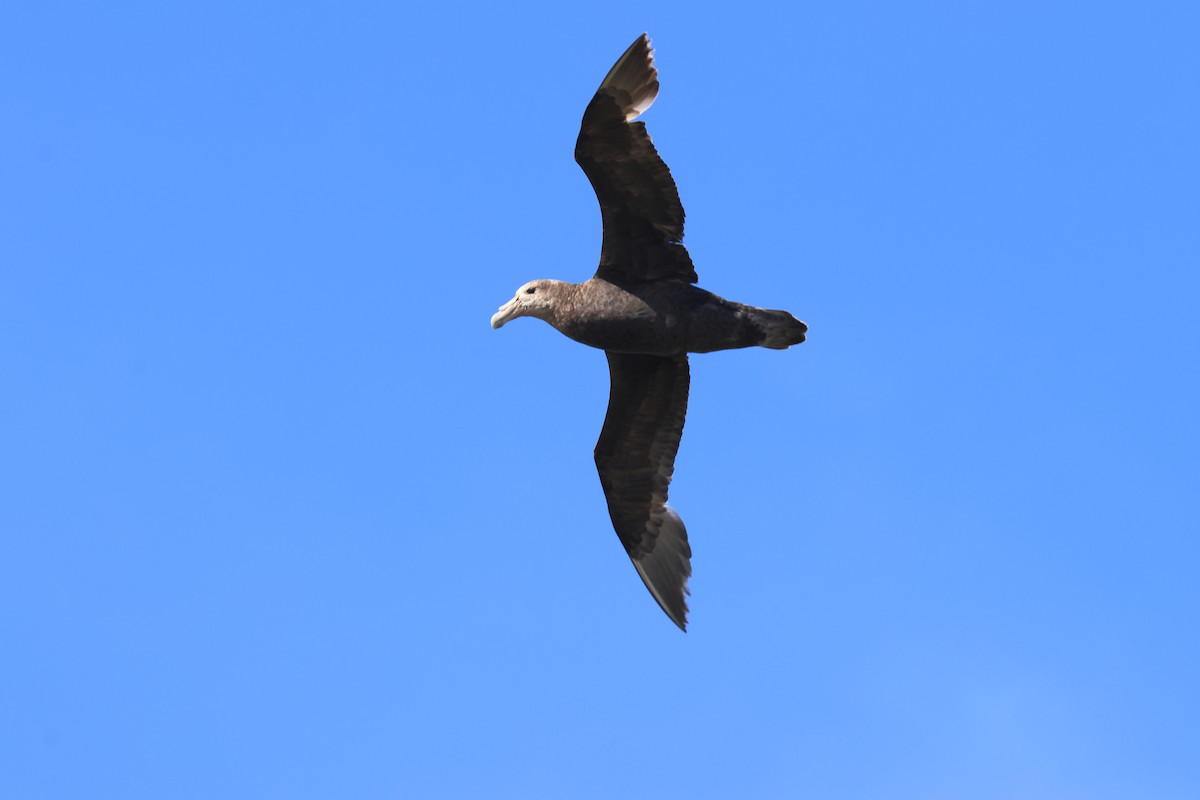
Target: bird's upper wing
x,y
635,457
639,204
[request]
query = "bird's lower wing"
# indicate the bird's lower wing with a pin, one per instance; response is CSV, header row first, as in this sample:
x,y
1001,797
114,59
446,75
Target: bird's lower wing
x,y
635,457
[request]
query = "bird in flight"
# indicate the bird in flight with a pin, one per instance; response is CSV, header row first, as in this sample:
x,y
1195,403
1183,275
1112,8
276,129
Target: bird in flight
x,y
644,311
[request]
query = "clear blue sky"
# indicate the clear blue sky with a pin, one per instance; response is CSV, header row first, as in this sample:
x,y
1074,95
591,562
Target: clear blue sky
x,y
281,516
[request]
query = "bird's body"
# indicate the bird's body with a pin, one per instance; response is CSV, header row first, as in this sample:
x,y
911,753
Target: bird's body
x,y
642,309
662,318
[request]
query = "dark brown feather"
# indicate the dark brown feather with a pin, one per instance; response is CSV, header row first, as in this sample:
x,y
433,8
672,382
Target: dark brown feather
x,y
639,203
635,457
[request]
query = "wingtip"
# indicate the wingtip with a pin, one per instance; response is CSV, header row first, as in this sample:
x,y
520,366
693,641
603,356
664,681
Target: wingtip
x,y
633,80
666,569
675,608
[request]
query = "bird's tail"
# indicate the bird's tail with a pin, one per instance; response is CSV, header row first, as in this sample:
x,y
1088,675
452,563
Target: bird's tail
x,y
780,329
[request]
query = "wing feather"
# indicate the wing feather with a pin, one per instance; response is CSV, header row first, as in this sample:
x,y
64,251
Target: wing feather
x,y
639,202
635,457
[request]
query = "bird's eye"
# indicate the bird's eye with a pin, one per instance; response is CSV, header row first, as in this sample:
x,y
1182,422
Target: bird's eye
x,y
531,290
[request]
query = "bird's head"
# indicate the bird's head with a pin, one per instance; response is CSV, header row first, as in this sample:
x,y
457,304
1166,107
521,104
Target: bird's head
x,y
534,299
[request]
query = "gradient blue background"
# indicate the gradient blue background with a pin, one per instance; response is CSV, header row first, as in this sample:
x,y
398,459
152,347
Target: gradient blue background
x,y
282,517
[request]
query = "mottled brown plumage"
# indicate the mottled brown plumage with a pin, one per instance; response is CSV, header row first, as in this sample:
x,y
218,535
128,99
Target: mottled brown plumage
x,y
641,309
